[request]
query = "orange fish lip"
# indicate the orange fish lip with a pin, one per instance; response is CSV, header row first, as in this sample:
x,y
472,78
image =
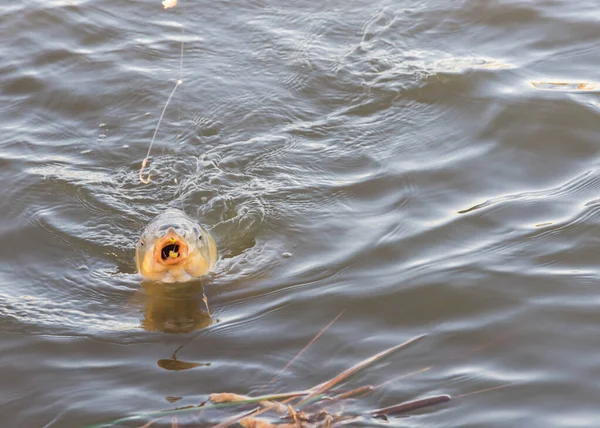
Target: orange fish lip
x,y
167,246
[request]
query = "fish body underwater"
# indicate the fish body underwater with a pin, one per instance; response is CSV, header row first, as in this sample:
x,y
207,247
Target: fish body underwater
x,y
175,248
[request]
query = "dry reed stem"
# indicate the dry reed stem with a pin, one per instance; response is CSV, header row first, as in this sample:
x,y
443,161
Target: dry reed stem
x,y
227,397
294,417
408,406
147,425
275,406
251,422
264,410
403,376
205,300
322,388
357,392
236,418
301,419
493,388
257,411
308,345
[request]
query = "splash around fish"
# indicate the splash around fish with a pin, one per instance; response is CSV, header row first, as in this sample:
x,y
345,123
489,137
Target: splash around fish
x,y
175,248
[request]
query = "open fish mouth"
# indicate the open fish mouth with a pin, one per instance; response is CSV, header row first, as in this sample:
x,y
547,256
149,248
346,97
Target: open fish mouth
x,y
171,249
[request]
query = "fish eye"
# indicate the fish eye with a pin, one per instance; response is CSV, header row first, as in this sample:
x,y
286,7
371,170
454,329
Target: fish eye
x,y
142,243
197,232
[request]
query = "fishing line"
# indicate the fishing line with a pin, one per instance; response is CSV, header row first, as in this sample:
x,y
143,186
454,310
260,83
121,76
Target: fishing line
x,y
167,4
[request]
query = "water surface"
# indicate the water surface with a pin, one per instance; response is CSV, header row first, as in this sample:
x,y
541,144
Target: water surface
x,y
426,167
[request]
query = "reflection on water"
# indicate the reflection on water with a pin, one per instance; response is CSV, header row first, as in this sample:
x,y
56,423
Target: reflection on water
x,y
177,365
174,308
566,86
174,363
462,64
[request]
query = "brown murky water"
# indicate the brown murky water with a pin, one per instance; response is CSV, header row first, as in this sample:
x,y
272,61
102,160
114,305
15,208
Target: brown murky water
x,y
428,167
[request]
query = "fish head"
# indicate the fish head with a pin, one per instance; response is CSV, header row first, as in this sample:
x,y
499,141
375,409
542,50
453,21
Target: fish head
x,y
175,248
